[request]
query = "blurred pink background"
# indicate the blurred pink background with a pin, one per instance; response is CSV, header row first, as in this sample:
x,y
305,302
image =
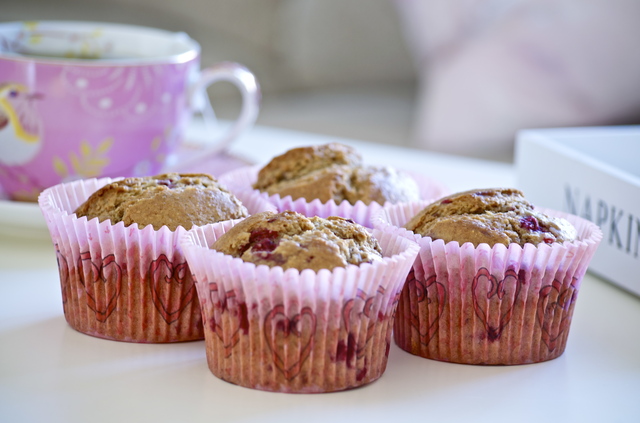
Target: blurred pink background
x,y
454,76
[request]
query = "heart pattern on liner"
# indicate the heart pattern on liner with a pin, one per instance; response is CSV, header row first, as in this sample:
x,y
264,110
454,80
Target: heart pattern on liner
x,y
165,279
352,313
102,281
435,294
237,318
63,269
279,328
555,302
490,293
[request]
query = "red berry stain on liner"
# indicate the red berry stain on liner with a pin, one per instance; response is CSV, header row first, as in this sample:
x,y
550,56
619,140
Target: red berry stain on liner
x,y
347,352
243,317
361,374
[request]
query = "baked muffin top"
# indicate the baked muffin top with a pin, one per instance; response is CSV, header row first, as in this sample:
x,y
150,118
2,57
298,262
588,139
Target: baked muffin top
x,y
170,200
291,240
491,216
334,172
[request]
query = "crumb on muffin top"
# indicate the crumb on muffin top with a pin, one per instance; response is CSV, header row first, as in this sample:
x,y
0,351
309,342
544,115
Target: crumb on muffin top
x,y
169,199
491,216
292,240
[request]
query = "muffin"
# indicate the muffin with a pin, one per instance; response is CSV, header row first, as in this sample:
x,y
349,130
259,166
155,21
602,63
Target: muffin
x,y
291,240
489,216
496,279
334,172
298,304
332,177
170,200
123,275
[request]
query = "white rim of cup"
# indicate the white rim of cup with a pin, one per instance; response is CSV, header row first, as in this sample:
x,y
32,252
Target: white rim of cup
x,y
191,51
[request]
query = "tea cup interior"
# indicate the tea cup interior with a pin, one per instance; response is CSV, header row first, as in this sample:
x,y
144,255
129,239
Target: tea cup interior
x,y
93,41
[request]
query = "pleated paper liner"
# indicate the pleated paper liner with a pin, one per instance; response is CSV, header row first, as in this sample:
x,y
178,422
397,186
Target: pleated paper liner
x,y
123,283
494,306
292,331
243,178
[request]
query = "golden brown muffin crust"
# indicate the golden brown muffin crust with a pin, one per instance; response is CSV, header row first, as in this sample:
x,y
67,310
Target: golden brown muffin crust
x,y
291,240
170,200
301,161
334,172
492,216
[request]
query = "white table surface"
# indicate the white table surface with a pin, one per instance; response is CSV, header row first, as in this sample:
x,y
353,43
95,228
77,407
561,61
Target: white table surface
x,y
51,373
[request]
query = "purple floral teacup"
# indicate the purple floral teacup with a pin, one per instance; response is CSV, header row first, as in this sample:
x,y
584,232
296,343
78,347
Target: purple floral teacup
x,y
83,100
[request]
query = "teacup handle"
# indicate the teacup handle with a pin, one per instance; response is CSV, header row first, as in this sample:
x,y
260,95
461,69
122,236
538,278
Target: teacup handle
x,y
246,82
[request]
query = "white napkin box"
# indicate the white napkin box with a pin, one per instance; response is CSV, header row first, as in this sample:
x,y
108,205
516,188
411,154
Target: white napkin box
x,y
592,172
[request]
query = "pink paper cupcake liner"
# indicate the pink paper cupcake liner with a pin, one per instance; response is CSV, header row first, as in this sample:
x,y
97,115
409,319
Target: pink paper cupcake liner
x,y
123,283
292,331
495,306
243,178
